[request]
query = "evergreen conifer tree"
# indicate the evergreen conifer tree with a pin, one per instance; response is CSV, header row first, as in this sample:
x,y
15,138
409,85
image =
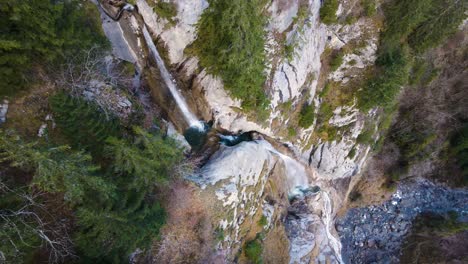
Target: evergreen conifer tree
x,y
83,123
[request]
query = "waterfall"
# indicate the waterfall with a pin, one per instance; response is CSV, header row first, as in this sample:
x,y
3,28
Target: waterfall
x,y
171,85
296,172
328,220
297,175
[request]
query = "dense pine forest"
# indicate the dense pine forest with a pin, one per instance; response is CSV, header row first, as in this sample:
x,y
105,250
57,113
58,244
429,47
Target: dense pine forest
x,y
88,191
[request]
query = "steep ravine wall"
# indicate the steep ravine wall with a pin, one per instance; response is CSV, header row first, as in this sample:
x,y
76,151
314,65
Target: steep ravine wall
x,y
243,183
250,181
294,80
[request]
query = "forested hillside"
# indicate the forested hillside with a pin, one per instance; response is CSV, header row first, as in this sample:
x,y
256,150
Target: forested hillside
x,y
88,189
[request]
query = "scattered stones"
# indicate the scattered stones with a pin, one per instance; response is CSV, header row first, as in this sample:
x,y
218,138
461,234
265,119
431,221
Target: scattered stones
x,y
384,227
48,120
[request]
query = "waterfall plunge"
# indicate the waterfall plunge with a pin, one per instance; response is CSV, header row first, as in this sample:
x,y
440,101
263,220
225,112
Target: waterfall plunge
x,y
295,171
297,176
168,80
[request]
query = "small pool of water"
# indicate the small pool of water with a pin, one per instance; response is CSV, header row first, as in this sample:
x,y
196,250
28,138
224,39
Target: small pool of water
x,y
232,140
198,136
301,191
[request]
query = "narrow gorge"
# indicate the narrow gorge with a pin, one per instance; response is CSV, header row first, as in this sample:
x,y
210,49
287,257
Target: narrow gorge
x,y
312,174
338,137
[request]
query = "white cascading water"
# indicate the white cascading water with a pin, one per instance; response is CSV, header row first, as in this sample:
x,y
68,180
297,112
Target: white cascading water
x,y
297,180
296,172
328,220
168,80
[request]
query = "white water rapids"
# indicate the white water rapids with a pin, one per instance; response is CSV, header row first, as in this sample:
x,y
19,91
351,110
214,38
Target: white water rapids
x,y
190,118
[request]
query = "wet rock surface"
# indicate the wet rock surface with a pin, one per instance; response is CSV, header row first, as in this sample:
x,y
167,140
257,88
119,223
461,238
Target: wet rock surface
x,y
306,226
300,228
375,234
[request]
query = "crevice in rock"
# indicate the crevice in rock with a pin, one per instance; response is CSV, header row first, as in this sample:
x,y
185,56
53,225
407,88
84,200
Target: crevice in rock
x,y
294,70
321,156
312,152
338,37
289,82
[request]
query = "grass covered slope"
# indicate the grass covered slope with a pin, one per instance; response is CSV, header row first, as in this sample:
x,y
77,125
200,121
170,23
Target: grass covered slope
x,y
230,44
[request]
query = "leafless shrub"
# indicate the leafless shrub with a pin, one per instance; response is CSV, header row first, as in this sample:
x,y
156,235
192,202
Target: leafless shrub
x,y
187,238
93,65
33,217
95,75
382,162
184,168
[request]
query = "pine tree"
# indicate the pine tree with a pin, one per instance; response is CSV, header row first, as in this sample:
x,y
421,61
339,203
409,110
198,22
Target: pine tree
x,y
328,12
132,218
83,123
443,21
56,169
111,234
38,32
230,44
115,213
148,160
27,33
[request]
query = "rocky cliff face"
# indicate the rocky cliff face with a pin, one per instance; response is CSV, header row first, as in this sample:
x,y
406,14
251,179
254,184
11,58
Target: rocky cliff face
x,y
252,181
249,182
292,80
243,184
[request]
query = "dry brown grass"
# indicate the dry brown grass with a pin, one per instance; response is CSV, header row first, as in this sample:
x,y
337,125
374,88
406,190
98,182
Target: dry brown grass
x,y
188,235
372,185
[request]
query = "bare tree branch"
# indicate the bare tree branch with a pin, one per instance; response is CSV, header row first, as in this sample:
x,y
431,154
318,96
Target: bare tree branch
x,y
31,217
